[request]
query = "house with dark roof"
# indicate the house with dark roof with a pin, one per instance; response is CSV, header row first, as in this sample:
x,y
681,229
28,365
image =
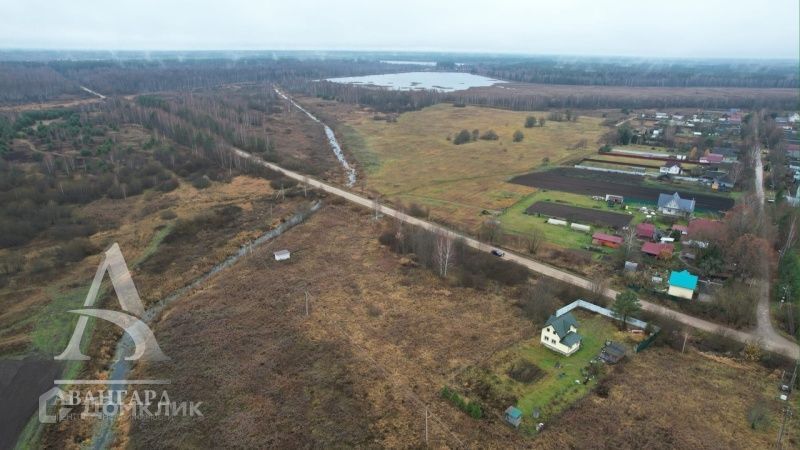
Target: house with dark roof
x,y
612,353
729,155
674,205
560,334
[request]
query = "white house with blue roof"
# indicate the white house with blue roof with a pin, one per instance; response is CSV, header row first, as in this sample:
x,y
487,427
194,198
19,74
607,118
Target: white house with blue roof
x,y
674,205
560,333
682,284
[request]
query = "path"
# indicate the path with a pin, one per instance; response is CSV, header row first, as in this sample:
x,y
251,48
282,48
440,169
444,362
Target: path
x,y
764,326
769,342
99,95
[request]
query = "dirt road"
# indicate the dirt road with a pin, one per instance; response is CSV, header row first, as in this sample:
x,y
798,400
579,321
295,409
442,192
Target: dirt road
x,y
764,326
768,342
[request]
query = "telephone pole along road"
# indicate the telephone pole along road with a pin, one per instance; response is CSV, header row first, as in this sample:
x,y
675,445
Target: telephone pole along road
x,y
782,346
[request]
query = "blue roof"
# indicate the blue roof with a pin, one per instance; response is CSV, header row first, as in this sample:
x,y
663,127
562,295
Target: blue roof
x,y
513,412
683,279
675,201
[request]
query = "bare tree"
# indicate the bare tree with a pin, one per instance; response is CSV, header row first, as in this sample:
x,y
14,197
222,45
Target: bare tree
x,y
534,241
443,253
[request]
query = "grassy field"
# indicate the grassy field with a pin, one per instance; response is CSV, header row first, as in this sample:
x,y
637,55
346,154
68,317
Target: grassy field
x,y
412,160
556,389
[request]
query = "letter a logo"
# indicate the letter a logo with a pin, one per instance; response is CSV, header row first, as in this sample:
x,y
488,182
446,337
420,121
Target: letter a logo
x,y
146,346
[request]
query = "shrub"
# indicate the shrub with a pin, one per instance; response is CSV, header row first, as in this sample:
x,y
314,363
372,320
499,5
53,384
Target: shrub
x,y
490,136
201,182
75,250
518,136
462,137
418,211
168,185
473,409
530,122
168,214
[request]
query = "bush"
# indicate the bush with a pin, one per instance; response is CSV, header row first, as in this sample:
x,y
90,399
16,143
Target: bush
x,y
462,137
530,122
518,136
168,185
473,409
168,214
201,182
417,211
490,136
75,250
283,183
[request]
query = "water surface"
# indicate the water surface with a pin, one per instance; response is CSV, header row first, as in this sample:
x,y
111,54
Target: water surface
x,y
408,81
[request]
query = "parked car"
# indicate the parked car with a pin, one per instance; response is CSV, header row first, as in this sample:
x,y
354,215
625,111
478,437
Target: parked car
x,y
498,253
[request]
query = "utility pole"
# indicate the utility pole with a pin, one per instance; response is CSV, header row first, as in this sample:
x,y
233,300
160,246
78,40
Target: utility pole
x,y
426,426
685,338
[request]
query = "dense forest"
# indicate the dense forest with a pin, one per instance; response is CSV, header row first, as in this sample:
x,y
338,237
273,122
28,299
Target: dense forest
x,y
40,81
593,72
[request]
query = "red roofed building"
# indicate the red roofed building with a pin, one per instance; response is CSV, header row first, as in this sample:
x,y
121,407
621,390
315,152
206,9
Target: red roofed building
x,y
606,240
645,231
659,250
704,229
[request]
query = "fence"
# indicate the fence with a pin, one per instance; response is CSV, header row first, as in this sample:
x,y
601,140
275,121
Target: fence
x,y
608,313
599,310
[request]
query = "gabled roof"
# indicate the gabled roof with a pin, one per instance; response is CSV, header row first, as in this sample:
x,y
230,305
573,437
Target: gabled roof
x,y
712,158
607,238
571,339
683,279
672,163
675,201
562,323
645,229
655,249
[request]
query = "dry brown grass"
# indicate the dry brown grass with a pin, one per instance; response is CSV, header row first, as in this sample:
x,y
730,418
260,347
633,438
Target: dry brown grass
x,y
665,399
381,340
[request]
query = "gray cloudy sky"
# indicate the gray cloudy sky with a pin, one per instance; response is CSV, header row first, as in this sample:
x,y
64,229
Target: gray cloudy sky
x,y
675,28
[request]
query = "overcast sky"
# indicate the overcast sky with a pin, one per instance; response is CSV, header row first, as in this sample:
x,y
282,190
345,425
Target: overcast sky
x,y
675,28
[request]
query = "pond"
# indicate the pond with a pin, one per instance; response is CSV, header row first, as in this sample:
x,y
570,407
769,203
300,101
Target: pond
x,y
407,81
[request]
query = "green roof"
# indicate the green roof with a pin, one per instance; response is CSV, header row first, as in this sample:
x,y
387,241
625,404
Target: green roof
x,y
683,279
562,323
571,339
